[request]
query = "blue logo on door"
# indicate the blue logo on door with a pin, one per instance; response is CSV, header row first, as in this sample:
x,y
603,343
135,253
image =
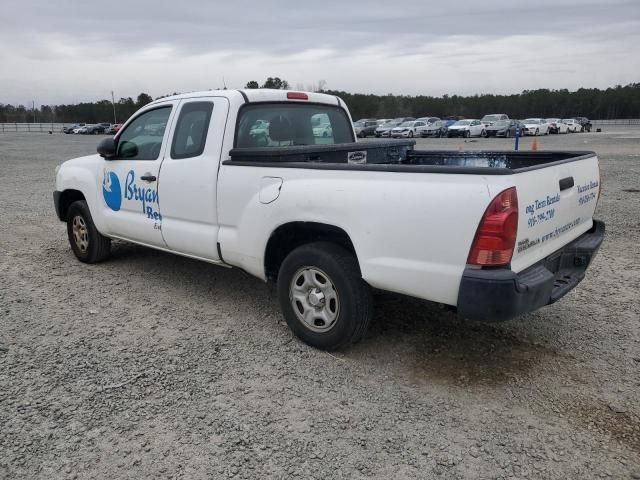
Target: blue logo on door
x,y
111,191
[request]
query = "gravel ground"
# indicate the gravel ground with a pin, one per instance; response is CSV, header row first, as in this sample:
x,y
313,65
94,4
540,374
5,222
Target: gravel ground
x,y
155,366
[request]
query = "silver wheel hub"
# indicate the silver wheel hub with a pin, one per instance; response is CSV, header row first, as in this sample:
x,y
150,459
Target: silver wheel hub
x,y
80,233
314,299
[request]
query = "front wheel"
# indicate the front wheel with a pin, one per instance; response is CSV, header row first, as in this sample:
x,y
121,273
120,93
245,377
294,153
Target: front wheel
x,y
323,297
88,245
410,134
467,134
483,134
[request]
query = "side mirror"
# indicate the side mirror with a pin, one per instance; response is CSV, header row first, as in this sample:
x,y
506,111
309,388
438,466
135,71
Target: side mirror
x,y
107,148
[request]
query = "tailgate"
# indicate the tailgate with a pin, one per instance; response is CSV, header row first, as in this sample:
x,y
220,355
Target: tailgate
x,y
556,205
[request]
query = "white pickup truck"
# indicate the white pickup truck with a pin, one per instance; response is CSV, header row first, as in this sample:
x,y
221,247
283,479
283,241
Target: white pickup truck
x,y
240,179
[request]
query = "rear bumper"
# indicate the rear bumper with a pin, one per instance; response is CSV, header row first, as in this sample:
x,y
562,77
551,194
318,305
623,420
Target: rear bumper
x,y
499,294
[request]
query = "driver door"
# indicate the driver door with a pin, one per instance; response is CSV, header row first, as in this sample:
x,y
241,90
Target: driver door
x,y
128,188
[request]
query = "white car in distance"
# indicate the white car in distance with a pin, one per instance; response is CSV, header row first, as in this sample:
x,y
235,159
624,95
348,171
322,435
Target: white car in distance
x,y
572,125
467,128
557,126
323,130
407,129
535,126
489,120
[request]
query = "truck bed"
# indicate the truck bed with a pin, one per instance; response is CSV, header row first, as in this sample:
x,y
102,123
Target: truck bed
x,y
400,156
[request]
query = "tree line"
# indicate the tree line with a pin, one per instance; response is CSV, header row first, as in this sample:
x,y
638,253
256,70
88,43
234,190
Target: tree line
x,y
86,112
615,102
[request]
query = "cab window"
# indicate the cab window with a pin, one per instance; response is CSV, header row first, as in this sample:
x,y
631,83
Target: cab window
x,y
190,135
142,138
288,124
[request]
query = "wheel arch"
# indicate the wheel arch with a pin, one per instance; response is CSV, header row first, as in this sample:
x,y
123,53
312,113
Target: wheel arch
x,y
67,197
289,236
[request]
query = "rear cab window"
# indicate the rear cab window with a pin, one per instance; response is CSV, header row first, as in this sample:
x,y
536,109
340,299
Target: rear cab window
x,y
287,124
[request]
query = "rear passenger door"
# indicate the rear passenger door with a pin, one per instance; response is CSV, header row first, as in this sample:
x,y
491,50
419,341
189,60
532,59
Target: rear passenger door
x,y
188,177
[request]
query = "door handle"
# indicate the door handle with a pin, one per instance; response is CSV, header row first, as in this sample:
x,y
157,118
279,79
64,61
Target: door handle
x,y
147,177
566,183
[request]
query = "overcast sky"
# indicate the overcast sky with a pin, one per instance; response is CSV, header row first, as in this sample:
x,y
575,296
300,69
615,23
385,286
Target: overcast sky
x,y
57,51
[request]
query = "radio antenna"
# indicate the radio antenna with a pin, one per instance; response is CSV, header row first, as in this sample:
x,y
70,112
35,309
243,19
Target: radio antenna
x,y
224,84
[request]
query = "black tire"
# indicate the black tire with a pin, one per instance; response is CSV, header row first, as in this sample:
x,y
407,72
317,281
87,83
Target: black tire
x,y
411,134
467,134
508,134
97,247
354,304
537,132
483,134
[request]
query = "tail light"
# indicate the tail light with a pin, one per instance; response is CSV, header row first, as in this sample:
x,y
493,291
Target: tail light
x,y
496,235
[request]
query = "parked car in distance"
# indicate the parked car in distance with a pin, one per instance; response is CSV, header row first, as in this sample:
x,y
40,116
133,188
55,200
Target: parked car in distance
x,y
407,129
572,125
115,128
535,126
435,129
259,129
365,128
82,129
95,129
323,130
72,128
382,121
502,128
585,123
385,130
492,118
467,128
556,126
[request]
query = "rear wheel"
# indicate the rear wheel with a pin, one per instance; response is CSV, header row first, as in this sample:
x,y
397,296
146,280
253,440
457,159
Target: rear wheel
x,y
483,134
537,132
508,133
323,297
88,245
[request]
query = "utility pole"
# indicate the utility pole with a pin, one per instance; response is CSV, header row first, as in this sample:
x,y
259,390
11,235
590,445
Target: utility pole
x,y
113,102
33,109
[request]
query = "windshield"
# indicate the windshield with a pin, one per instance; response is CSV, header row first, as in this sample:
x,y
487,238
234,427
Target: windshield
x,y
390,124
533,121
491,118
359,124
502,123
281,125
406,124
462,122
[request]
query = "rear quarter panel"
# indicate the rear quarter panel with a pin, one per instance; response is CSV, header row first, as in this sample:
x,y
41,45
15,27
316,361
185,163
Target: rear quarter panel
x,y
411,231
